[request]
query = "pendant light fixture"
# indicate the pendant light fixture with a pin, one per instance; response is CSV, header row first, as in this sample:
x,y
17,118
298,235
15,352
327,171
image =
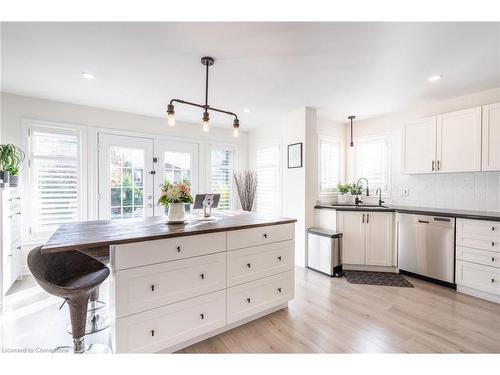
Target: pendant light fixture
x,y
351,118
205,124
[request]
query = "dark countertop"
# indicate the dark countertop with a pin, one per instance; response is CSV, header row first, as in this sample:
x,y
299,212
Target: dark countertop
x,y
447,212
101,233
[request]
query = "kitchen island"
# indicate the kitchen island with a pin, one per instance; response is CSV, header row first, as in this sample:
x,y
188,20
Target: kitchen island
x,y
175,285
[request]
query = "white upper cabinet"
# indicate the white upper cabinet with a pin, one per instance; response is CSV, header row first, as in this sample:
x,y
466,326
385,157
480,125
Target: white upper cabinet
x,y
459,141
491,137
450,142
419,146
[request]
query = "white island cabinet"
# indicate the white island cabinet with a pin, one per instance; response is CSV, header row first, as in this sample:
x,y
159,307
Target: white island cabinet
x,y
170,293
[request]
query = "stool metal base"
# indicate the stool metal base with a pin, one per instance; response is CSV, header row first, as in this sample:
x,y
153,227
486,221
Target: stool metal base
x,y
81,348
96,322
95,305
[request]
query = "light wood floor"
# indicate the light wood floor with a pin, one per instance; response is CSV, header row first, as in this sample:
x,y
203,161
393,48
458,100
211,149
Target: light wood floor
x,y
333,316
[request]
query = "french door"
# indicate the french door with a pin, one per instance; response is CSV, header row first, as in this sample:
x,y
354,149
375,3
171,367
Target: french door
x,y
132,169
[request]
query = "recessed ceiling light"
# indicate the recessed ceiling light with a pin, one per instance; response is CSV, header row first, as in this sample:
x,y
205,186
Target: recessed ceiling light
x,y
88,75
435,78
246,110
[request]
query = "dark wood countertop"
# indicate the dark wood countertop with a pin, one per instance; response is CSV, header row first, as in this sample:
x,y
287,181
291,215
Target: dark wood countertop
x,y
95,234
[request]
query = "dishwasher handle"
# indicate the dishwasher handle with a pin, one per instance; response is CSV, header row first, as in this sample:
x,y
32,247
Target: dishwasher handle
x,y
423,221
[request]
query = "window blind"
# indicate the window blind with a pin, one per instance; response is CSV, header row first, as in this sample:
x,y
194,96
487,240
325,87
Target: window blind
x,y
54,179
268,200
371,161
221,174
329,165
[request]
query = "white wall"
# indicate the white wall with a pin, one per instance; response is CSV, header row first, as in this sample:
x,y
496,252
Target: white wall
x,y
480,190
299,185
15,108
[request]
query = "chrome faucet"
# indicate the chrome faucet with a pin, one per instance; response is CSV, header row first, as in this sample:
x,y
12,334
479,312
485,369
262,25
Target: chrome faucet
x,y
379,192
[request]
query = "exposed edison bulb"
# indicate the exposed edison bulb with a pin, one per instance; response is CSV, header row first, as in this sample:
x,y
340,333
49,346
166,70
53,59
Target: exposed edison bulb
x,y
205,126
236,132
171,119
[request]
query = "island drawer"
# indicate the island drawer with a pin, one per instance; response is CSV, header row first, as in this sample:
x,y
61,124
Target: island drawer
x,y
161,328
476,276
150,252
482,228
488,258
256,262
259,236
144,288
251,298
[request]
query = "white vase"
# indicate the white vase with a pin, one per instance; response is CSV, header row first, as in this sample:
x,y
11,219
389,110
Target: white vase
x,y
176,212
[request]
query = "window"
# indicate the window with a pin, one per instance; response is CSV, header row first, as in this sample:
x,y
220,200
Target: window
x,y
54,179
371,161
268,200
221,175
329,165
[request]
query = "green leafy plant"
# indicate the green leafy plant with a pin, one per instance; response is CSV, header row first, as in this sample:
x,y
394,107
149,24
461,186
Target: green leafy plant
x,y
344,188
11,159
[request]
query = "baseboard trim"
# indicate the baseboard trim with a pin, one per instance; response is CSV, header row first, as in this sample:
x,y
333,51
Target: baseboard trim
x,y
359,267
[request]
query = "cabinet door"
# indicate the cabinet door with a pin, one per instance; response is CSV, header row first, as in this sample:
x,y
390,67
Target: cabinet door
x,y
352,225
491,137
459,141
419,146
378,249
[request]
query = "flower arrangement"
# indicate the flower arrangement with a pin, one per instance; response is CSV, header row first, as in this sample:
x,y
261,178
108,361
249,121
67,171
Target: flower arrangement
x,y
175,193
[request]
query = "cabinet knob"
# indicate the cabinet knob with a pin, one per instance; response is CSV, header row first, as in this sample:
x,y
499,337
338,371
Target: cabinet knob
x,y
249,300
178,249
492,229
202,276
249,265
279,290
492,243
279,258
152,332
152,287
265,235
202,316
492,280
492,259
18,248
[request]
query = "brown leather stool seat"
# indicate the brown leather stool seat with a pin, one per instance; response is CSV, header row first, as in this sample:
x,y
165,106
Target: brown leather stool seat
x,y
71,275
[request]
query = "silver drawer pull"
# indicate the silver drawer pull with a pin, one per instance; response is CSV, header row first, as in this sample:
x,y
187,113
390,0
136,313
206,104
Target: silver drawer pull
x,y
202,276
152,287
249,265
249,300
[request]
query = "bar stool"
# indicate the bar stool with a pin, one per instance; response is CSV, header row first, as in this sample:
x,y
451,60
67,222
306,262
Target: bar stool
x,y
73,276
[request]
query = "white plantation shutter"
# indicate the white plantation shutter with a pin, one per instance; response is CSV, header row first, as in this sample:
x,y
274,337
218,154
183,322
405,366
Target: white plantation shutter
x,y
371,162
329,165
54,179
268,200
221,175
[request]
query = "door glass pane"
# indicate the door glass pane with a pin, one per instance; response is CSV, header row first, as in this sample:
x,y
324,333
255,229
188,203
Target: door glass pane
x,y
127,174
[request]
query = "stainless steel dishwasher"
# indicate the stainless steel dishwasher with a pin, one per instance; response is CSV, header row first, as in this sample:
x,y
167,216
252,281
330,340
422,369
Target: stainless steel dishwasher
x,y
426,246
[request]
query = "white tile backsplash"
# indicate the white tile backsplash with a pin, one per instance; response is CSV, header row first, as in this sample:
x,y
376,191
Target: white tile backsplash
x,y
473,191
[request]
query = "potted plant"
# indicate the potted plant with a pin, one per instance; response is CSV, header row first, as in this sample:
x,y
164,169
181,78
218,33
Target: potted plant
x,y
12,158
343,189
174,197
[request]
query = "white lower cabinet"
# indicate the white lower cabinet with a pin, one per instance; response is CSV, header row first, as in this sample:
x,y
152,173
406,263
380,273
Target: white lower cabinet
x,y
367,238
167,294
161,328
478,258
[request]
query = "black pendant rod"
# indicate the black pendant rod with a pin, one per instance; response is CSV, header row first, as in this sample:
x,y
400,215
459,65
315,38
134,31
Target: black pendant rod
x,y
207,107
351,118
206,88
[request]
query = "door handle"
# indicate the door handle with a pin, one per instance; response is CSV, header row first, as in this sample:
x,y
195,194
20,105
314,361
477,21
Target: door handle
x,y
150,197
367,218
363,219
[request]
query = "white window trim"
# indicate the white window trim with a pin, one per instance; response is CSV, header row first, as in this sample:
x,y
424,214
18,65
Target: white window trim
x,y
27,203
268,144
386,138
227,147
333,139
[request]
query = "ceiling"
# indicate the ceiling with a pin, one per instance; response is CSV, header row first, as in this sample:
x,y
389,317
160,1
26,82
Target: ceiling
x,y
366,69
